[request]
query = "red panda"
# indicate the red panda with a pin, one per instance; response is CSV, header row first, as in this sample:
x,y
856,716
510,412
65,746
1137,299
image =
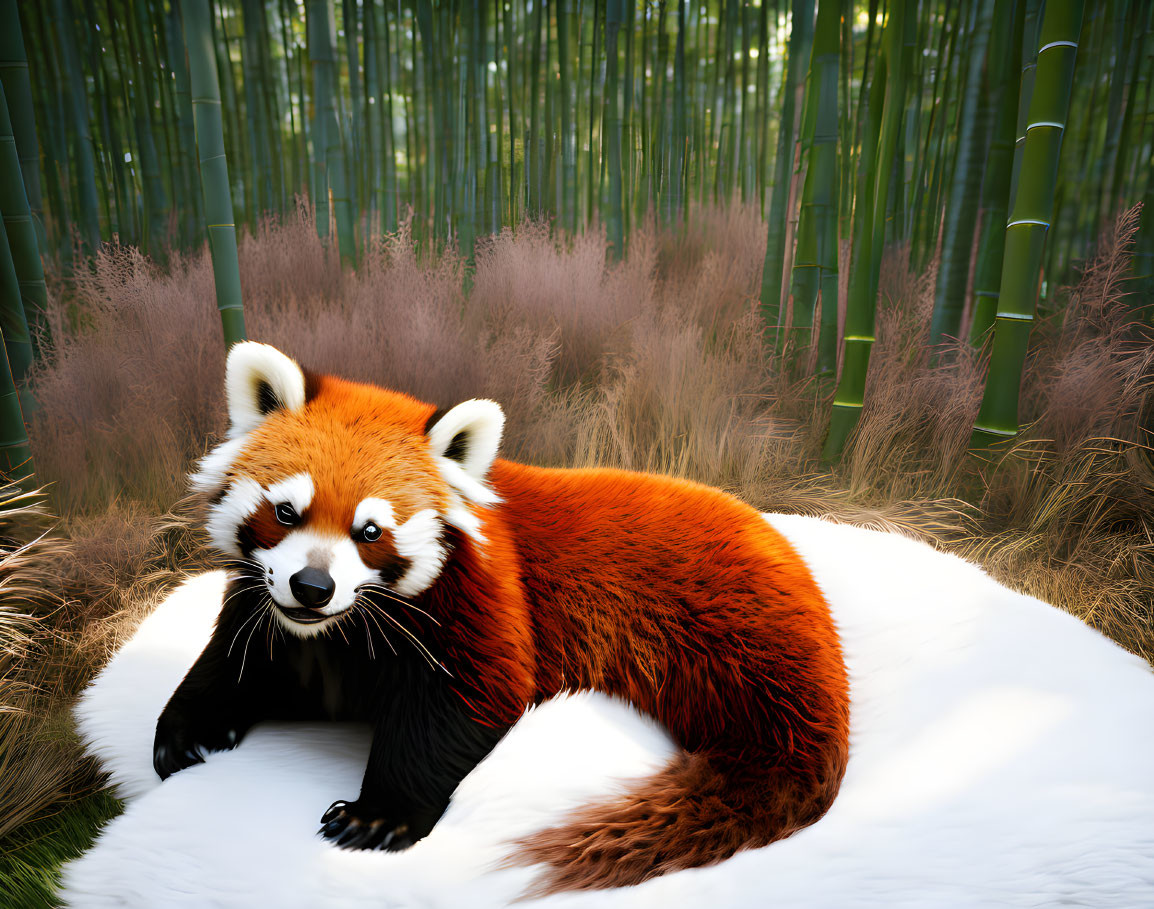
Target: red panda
x,y
393,569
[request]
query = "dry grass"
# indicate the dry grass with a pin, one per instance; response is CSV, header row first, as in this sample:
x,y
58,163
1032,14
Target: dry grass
x,y
38,764
654,363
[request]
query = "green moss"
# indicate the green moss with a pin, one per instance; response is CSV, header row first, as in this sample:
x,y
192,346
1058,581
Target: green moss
x,y
31,856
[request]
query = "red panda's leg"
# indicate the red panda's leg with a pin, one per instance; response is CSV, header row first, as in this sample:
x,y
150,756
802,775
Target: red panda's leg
x,y
229,688
424,743
700,809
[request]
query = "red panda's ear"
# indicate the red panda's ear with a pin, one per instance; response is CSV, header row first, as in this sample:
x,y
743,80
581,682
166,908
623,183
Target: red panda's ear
x,y
260,380
465,441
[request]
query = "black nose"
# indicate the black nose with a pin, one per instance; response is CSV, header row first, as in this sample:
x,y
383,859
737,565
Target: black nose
x,y
312,587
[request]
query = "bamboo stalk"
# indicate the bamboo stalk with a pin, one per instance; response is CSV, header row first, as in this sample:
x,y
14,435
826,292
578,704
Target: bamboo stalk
x,y
18,88
32,292
15,452
83,155
1005,62
1030,220
962,208
614,214
206,112
17,340
800,39
815,259
884,108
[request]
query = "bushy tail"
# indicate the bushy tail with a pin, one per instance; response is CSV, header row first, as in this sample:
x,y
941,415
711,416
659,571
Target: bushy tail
x,y
696,811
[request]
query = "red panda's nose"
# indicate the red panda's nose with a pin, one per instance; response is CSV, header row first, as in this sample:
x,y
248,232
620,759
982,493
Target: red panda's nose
x,y
312,587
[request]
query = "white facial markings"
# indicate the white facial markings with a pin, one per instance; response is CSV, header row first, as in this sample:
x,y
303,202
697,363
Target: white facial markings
x,y
419,541
243,498
212,471
378,511
461,516
465,484
297,490
293,553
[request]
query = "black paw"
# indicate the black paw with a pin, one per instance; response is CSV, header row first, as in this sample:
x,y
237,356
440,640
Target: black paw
x,y
352,826
182,740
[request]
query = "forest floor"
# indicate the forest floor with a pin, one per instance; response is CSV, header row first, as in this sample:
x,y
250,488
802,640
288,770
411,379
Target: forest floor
x,y
655,363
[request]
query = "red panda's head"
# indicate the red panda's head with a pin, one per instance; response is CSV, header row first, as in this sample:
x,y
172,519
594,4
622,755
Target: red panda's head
x,y
328,487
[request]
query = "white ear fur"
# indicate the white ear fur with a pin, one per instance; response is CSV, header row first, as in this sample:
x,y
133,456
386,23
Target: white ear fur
x,y
475,428
255,372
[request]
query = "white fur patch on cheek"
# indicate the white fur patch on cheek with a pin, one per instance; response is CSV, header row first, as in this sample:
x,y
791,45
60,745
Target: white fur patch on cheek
x,y
468,486
419,541
465,520
297,490
212,471
238,505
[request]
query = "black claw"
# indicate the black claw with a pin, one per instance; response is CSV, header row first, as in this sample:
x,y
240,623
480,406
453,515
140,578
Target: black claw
x,y
334,827
397,843
350,836
377,836
334,809
342,826
355,837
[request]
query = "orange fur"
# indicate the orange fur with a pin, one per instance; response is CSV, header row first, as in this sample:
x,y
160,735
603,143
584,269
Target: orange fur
x,y
672,595
355,441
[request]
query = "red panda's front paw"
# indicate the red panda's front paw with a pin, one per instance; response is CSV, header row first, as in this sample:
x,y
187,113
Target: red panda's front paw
x,y
183,738
353,826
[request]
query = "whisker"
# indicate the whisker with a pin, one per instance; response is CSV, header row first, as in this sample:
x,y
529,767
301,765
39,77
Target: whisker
x,y
433,662
244,653
364,612
368,635
338,627
396,599
239,591
272,626
255,614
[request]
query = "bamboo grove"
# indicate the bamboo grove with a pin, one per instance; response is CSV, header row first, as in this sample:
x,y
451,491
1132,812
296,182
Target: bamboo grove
x,y
992,138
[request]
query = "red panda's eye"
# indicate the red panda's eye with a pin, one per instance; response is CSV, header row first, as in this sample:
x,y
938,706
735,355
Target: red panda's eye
x,y
286,514
370,533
